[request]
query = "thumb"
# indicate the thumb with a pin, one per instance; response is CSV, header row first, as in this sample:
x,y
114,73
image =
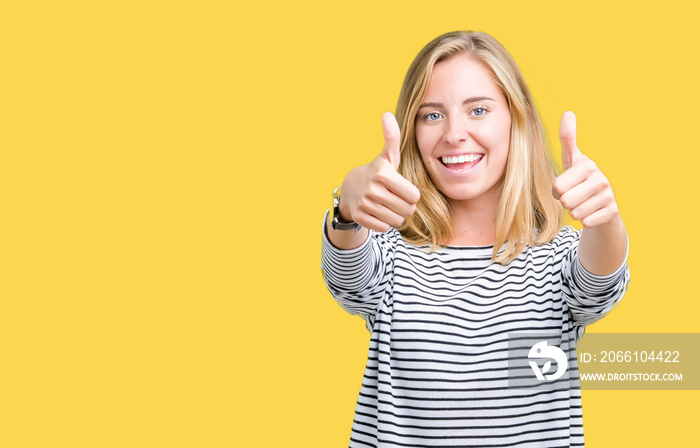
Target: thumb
x,y
392,139
567,134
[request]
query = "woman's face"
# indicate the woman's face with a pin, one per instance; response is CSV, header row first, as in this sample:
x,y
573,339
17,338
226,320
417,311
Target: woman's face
x,y
463,130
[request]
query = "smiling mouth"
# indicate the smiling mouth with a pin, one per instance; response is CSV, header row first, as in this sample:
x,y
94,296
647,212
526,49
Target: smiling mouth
x,y
462,162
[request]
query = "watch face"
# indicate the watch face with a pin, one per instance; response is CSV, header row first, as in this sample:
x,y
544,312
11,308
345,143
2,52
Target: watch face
x,y
334,211
334,208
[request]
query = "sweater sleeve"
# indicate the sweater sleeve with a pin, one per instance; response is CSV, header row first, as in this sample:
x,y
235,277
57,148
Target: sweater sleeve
x,y
589,296
359,278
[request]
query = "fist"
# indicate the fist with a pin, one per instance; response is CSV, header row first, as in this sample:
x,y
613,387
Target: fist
x,y
375,195
582,188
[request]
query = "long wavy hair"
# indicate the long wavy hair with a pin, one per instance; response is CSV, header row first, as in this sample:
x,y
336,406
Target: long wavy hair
x,y
527,214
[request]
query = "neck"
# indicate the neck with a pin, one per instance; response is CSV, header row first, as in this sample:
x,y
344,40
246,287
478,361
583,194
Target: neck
x,y
474,221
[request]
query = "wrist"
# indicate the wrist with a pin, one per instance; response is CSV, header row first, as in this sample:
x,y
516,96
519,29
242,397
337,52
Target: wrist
x,y
614,227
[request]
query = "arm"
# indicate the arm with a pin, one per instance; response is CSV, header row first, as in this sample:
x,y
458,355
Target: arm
x,y
603,248
359,278
590,296
357,266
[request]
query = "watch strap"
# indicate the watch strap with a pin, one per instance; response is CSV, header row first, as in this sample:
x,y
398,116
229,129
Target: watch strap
x,y
336,223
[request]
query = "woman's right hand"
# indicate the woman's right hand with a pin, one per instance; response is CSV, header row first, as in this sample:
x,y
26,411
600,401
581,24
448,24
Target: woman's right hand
x,y
375,195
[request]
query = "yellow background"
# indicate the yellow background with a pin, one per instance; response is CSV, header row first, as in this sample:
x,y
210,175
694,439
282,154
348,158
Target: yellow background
x,y
165,168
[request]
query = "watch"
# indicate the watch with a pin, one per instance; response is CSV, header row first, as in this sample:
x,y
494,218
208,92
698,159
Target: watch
x,y
336,223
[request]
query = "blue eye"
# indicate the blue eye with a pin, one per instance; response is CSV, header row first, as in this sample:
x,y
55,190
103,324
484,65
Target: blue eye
x,y
479,111
432,116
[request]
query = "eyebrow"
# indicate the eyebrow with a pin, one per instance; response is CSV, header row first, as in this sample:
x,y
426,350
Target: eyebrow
x,y
472,99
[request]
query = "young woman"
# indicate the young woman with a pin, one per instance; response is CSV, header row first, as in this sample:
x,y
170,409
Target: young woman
x,y
451,240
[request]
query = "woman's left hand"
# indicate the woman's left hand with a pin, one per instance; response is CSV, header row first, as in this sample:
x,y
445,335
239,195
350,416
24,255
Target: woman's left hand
x,y
582,188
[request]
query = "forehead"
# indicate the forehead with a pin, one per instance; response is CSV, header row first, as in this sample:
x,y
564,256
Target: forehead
x,y
461,75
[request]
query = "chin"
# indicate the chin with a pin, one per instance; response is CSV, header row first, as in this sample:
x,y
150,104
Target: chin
x,y
460,194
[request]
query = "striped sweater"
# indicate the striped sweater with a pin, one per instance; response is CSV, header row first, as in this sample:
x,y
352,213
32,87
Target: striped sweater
x,y
436,372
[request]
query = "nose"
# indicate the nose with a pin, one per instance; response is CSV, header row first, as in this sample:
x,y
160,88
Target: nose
x,y
456,130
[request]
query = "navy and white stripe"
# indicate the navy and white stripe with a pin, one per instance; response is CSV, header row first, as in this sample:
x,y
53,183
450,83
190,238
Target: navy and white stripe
x,y
436,372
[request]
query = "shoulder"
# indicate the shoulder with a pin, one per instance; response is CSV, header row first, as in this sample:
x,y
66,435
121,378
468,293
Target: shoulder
x,y
566,237
559,246
390,236
388,241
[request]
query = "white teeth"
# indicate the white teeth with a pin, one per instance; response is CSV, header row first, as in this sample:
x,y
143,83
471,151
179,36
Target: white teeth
x,y
462,158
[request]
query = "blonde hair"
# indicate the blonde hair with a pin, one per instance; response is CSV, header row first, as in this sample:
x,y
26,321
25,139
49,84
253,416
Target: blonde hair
x,y
527,213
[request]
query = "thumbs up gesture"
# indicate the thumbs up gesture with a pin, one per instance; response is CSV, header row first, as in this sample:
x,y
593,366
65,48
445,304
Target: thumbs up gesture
x,y
582,188
375,195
